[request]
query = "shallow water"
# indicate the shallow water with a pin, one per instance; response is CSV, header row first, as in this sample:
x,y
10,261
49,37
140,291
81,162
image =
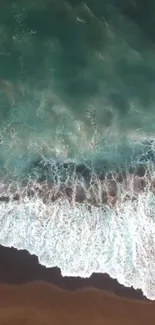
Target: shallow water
x,y
77,87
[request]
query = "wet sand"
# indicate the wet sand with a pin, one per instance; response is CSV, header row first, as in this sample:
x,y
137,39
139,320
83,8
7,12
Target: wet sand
x,y
33,294
19,267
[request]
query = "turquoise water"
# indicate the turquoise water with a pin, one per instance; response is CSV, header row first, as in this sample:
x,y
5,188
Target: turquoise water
x,y
77,81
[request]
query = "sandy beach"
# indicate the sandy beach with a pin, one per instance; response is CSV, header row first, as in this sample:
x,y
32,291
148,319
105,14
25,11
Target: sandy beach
x,y
43,304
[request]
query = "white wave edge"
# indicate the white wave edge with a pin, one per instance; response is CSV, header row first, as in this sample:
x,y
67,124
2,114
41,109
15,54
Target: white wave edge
x,y
120,242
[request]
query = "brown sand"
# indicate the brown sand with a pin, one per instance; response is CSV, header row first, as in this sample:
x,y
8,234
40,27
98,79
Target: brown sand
x,y
40,303
33,294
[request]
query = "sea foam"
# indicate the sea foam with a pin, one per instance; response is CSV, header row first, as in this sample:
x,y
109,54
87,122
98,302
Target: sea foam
x,y
116,240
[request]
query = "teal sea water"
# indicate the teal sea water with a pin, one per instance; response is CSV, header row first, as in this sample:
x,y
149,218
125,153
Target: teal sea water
x,y
76,80
77,85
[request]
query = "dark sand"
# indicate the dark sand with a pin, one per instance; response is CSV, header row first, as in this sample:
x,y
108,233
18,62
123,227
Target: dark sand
x,y
33,294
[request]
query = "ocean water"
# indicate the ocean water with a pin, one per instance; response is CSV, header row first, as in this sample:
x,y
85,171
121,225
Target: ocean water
x,y
77,95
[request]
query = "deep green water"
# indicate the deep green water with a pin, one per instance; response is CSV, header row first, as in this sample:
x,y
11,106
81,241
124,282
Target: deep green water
x,y
77,81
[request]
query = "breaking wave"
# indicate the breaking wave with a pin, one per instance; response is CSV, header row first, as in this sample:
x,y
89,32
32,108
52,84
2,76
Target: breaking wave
x,y
86,220
77,153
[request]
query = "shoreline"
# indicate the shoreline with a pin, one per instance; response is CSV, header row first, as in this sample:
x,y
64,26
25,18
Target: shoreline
x,y
18,267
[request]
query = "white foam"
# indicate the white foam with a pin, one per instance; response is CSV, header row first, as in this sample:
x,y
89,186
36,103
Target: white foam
x,y
120,241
